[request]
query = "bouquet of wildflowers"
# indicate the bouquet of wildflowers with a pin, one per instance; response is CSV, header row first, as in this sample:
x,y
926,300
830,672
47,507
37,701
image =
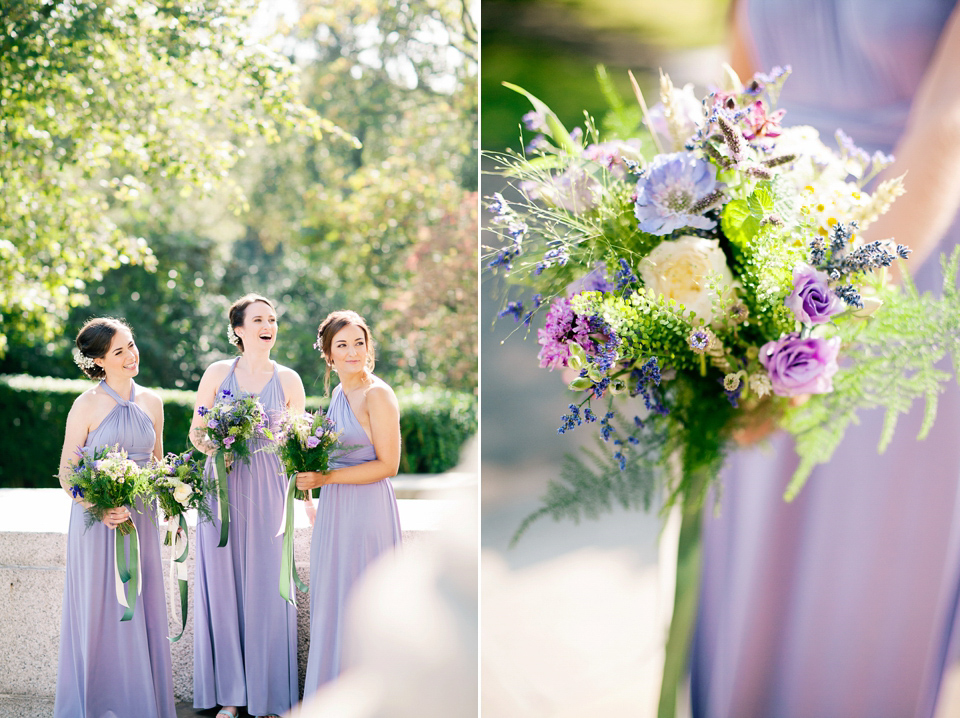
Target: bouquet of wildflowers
x,y
230,424
107,479
306,443
232,421
179,484
702,275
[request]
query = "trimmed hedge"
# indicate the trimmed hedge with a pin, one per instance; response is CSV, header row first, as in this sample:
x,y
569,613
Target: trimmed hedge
x,y
434,425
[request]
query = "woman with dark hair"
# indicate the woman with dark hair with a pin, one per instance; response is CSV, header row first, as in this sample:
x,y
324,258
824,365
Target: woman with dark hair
x,y
357,518
108,666
245,634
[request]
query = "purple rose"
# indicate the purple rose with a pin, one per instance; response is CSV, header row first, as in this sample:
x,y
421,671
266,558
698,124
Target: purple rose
x,y
229,440
312,442
800,366
812,301
213,424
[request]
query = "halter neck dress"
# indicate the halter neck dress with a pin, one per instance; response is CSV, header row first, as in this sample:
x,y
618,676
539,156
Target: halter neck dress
x,y
355,524
109,669
245,634
841,602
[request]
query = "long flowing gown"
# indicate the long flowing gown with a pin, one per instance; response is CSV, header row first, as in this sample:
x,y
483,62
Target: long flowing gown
x,y
355,524
839,604
108,668
245,634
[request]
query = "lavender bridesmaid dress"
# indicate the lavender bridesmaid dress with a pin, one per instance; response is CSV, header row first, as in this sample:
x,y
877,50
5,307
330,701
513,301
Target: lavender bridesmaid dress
x,y
841,603
245,634
109,669
354,525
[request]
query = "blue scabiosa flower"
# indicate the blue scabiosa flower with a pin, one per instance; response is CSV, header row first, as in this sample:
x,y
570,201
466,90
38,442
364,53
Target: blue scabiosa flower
x,y
669,192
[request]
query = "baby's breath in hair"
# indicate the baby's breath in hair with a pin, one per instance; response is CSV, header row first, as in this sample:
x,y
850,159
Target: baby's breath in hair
x,y
82,360
232,336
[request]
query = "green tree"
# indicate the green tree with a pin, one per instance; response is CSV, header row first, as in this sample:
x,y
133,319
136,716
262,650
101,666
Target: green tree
x,y
105,107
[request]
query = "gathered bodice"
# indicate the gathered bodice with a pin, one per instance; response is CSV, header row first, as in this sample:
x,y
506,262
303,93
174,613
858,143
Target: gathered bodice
x,y
127,425
351,433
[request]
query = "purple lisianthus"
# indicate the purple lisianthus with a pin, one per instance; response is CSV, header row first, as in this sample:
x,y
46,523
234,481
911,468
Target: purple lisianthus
x,y
812,301
213,424
229,441
563,326
312,442
674,192
801,366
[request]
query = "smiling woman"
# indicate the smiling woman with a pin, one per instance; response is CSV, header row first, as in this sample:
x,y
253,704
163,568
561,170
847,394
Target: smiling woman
x,y
110,664
245,636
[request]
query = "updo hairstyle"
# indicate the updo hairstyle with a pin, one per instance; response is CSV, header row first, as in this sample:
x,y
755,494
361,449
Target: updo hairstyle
x,y
329,327
93,342
238,311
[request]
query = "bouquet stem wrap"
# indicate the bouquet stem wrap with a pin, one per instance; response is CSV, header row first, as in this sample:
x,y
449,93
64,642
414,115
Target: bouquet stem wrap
x,y
180,542
288,566
127,572
223,496
686,599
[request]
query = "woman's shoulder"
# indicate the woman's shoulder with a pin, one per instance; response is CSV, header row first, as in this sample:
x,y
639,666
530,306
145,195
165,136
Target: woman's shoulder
x,y
152,396
219,369
286,373
91,398
379,391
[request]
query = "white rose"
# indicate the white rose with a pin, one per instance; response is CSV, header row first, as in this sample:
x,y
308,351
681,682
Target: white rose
x,y
182,493
685,269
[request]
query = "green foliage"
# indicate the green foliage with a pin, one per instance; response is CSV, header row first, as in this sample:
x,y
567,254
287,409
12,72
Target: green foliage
x,y
106,106
591,486
897,356
434,424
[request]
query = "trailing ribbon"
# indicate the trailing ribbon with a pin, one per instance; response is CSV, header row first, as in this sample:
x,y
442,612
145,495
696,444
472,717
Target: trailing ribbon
x,y
680,636
180,541
288,565
223,496
127,572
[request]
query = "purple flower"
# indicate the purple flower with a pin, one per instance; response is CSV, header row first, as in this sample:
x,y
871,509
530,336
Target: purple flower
x,y
812,301
312,442
229,441
593,281
213,424
800,366
563,326
674,192
202,410
77,491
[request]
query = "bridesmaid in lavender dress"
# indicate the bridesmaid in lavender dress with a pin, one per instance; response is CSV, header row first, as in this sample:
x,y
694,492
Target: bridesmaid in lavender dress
x,y
245,634
357,517
109,668
842,602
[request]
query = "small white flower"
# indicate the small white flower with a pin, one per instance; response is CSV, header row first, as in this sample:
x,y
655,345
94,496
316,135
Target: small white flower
x,y
760,384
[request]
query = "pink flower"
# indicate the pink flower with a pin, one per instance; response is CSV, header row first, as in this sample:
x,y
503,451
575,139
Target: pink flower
x,y
757,123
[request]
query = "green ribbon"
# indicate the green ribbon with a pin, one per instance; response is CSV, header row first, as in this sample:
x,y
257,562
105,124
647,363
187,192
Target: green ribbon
x,y
686,597
288,564
182,578
223,496
128,572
